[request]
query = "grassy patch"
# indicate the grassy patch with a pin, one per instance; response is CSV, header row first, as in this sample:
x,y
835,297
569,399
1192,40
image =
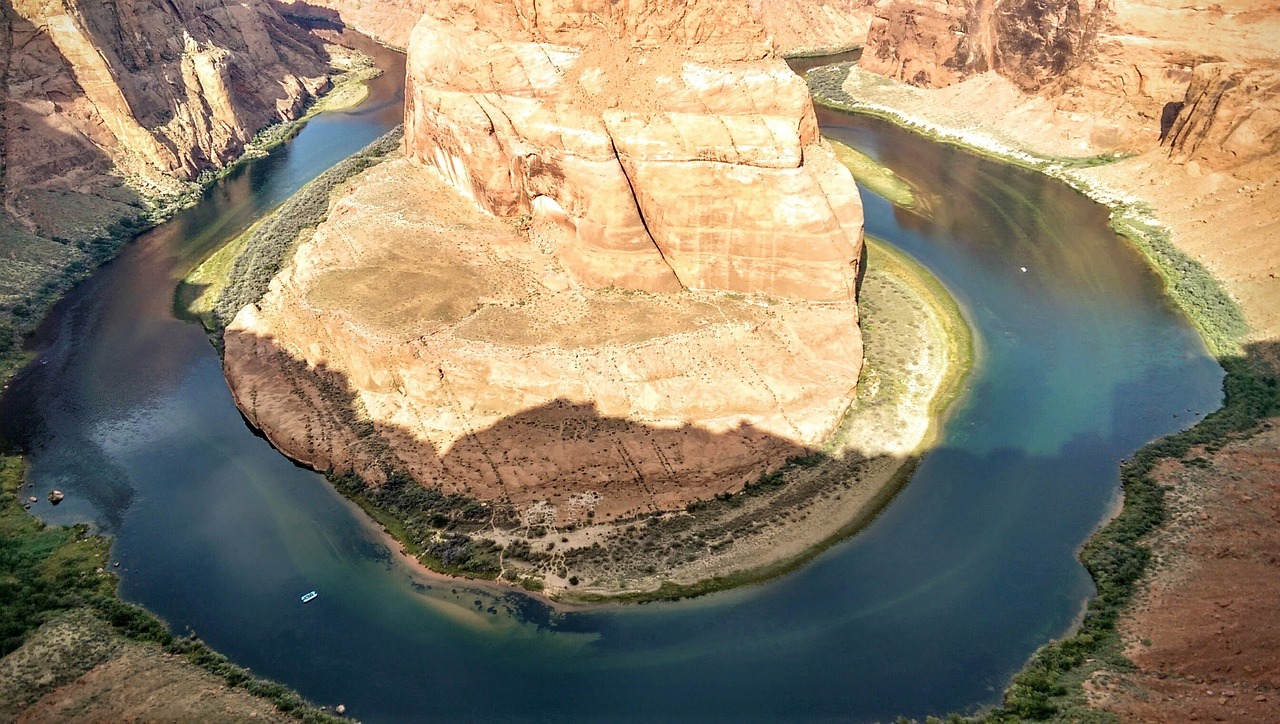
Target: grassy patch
x,y
960,339
880,180
197,294
1191,286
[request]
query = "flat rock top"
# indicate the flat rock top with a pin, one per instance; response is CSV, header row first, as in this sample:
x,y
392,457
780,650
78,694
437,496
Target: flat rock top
x,y
441,263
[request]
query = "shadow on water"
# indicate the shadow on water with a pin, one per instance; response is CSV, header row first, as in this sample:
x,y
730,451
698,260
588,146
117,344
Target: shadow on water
x,y
930,609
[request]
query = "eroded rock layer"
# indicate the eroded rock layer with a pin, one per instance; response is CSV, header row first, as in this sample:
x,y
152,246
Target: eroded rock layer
x,y
1123,72
416,333
665,144
151,90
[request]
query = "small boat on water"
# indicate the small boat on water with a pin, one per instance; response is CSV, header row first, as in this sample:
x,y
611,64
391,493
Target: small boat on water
x,y
306,597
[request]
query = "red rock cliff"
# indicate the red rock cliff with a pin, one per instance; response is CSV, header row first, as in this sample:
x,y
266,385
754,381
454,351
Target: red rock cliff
x,y
795,25
1134,69
151,90
666,144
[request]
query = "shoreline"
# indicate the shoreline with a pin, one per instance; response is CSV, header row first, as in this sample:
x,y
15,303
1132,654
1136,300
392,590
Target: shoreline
x,y
101,615
1062,677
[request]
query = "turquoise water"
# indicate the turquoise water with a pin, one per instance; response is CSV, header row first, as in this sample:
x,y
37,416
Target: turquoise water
x,y
928,610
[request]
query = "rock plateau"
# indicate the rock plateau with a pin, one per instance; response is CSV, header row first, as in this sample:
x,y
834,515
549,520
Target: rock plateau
x,y
616,272
144,91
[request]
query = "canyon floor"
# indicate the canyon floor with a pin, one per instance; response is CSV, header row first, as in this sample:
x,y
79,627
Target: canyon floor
x,y
77,668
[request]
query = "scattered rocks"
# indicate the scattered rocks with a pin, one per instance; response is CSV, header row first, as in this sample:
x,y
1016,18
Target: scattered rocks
x,y
56,496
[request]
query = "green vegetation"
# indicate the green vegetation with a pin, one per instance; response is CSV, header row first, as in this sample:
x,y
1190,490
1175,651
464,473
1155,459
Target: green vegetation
x,y
47,572
880,180
197,294
240,273
37,271
431,525
960,340
1196,291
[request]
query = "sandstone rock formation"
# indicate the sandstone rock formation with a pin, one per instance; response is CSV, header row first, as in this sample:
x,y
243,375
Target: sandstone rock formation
x,y
478,367
667,145
616,273
1192,91
148,90
795,25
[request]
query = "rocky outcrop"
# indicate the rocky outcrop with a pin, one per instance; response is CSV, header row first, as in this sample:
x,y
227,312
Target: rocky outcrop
x,y
388,21
1035,43
1126,67
449,345
1229,119
542,316
666,147
147,90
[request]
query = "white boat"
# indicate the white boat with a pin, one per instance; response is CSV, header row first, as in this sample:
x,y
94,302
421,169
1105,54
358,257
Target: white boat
x,y
308,596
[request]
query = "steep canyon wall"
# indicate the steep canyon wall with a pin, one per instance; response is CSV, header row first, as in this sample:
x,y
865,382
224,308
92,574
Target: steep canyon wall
x,y
143,91
1129,70
795,26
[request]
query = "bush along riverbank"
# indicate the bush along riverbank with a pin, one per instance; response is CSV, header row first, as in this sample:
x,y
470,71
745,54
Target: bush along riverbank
x,y
1117,555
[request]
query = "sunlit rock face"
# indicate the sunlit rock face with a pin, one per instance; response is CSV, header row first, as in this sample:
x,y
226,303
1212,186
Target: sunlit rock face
x,y
665,142
1137,74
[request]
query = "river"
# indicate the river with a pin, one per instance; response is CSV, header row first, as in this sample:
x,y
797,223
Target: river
x,y
930,609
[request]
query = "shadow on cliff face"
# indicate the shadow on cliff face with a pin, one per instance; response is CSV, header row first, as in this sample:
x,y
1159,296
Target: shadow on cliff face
x,y
556,467
562,460
200,94
309,14
252,50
